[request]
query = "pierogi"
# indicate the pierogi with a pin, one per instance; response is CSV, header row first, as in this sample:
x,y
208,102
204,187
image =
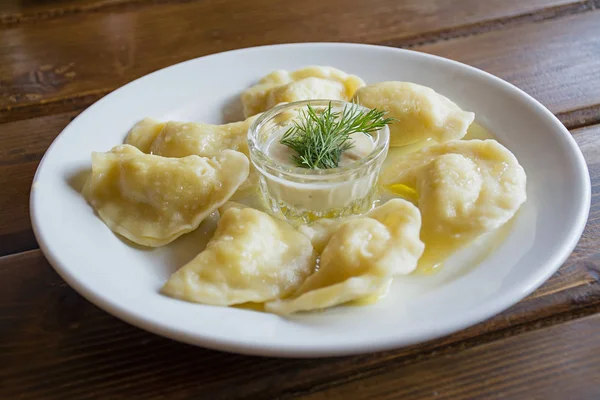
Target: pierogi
x,y
152,200
304,84
170,176
181,139
252,257
465,188
420,113
143,133
360,255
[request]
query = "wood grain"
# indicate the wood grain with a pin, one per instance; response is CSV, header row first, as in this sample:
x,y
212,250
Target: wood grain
x,y
15,227
60,346
560,362
13,11
22,145
57,57
554,61
565,81
87,55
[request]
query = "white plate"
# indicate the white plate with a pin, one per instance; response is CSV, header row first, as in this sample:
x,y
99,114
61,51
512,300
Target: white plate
x,y
125,281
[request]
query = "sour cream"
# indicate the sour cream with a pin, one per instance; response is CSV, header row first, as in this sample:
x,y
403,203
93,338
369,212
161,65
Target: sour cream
x,y
362,146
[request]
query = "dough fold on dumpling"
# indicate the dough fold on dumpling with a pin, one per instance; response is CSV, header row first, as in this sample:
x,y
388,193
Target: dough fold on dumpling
x,y
182,139
143,133
419,111
252,257
152,200
360,255
304,84
465,187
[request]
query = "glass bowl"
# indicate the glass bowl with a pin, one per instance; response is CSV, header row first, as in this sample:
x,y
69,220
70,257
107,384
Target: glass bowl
x,y
308,194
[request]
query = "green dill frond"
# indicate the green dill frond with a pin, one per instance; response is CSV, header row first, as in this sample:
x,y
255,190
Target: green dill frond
x,y
320,138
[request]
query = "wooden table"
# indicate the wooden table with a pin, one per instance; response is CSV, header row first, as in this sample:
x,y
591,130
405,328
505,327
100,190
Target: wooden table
x,y
58,57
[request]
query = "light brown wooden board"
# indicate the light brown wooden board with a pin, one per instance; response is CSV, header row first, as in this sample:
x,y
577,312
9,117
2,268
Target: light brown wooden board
x,y
76,59
60,346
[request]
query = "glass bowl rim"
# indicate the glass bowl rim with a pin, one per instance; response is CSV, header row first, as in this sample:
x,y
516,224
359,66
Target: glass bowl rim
x,y
259,156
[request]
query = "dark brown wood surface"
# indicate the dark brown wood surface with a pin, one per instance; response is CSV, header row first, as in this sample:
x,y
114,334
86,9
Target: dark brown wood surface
x,y
514,57
94,53
57,57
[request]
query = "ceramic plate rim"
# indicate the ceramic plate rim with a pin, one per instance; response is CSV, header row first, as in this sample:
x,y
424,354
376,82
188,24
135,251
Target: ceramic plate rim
x,y
479,314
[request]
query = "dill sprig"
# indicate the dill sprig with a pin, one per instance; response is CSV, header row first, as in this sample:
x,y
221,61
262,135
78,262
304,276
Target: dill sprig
x,y
320,137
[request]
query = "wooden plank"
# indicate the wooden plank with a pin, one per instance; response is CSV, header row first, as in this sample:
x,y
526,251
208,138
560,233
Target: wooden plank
x,y
560,362
568,57
87,55
23,143
60,346
13,11
554,61
15,227
27,140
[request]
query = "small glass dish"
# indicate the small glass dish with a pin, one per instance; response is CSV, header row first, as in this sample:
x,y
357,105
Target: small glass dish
x,y
308,194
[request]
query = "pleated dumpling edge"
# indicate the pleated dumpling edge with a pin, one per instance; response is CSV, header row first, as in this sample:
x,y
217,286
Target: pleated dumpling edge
x,y
152,200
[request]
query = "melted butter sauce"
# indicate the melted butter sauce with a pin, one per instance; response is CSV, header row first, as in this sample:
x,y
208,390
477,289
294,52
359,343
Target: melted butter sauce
x,y
477,131
429,263
260,307
483,247
372,298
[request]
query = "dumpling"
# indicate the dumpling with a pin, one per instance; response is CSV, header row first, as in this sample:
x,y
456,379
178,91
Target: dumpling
x,y
182,139
420,112
152,200
402,222
143,133
359,258
465,188
304,84
252,257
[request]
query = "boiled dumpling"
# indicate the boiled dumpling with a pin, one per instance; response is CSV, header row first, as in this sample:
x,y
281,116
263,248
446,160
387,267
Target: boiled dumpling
x,y
252,257
143,133
420,112
402,222
181,139
465,188
304,84
360,255
152,200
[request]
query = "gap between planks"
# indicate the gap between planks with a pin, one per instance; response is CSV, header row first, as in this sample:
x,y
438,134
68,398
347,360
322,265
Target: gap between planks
x,y
580,117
